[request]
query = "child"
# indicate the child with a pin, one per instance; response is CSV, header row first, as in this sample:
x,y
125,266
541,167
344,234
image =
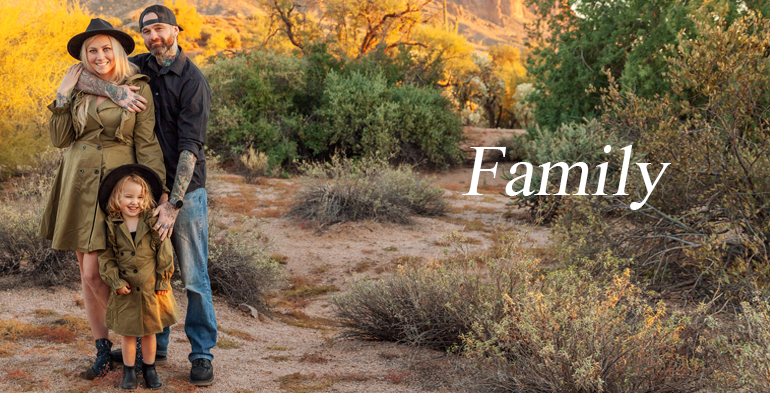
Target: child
x,y
137,266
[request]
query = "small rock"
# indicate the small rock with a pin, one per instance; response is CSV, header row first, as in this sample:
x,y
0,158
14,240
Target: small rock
x,y
250,311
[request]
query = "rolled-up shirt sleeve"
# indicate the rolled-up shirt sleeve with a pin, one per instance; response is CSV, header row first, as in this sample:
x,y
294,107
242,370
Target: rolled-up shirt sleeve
x,y
195,101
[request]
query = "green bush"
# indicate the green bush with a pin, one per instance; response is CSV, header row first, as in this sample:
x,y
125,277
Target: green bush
x,y
290,108
343,190
570,143
240,268
706,228
253,105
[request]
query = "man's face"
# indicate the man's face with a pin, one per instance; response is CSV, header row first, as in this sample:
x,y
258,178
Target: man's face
x,y
159,38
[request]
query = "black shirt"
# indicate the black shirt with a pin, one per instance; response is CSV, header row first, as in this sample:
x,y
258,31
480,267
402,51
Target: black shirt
x,y
182,99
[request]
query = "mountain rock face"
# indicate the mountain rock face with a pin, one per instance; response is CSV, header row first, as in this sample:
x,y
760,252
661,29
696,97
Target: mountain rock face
x,y
499,12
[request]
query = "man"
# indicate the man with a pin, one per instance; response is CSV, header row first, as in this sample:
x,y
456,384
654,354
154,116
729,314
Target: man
x,y
182,100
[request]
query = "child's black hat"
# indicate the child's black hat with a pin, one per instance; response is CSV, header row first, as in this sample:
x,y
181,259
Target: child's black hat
x,y
109,182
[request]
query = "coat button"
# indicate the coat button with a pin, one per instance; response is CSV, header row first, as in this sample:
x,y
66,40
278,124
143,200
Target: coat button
x,y
84,147
136,271
81,171
138,289
121,253
96,172
133,253
124,272
98,148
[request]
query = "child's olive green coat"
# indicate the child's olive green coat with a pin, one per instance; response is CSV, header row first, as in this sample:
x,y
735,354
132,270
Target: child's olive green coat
x,y
145,266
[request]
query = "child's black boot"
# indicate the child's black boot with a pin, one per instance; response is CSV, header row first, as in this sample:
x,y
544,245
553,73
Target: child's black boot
x,y
151,379
103,363
129,377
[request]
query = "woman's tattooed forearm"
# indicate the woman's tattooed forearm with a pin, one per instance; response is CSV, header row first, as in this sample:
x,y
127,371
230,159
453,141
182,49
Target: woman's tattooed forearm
x,y
61,100
184,174
99,87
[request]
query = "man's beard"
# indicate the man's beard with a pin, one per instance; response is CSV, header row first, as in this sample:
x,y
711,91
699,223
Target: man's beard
x,y
163,48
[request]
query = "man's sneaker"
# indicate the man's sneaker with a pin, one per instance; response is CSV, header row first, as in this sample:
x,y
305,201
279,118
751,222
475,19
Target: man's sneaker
x,y
117,356
202,373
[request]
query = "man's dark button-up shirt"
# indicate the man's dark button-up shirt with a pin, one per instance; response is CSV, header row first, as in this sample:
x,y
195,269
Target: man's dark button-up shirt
x,y
182,99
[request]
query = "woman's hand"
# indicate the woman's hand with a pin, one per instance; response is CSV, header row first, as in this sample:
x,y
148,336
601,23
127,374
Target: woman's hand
x,y
68,83
123,291
161,293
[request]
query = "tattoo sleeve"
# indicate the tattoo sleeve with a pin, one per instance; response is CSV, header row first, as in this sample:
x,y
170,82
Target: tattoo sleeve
x,y
184,174
94,85
61,100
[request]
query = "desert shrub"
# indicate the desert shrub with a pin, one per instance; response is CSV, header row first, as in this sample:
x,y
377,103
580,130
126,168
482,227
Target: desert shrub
x,y
343,190
240,267
26,258
706,228
746,348
434,305
572,331
361,115
253,105
570,143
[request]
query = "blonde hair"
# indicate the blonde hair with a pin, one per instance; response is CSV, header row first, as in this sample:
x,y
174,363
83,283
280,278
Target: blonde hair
x,y
123,69
113,206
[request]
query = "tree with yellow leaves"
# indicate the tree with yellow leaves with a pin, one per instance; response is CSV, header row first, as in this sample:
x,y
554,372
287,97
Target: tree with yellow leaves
x,y
33,59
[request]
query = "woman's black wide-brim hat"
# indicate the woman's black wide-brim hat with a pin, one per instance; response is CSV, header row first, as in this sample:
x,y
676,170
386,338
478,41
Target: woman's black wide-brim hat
x,y
98,27
152,179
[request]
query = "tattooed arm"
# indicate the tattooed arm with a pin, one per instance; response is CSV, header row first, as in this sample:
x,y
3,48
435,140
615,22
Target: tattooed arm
x,y
167,211
123,95
67,84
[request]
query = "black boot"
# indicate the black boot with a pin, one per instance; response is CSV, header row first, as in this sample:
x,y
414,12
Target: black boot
x,y
129,377
103,363
151,379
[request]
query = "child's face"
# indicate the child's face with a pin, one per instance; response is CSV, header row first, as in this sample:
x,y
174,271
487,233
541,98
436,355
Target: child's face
x,y
131,200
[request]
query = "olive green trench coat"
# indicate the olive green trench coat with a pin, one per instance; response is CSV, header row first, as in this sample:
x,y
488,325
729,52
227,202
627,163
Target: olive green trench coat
x,y
111,137
145,265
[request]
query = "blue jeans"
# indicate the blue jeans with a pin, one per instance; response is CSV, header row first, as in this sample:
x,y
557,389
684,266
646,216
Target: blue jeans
x,y
191,244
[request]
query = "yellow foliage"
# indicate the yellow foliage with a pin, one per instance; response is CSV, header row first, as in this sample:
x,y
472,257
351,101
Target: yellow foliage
x,y
189,19
33,59
448,45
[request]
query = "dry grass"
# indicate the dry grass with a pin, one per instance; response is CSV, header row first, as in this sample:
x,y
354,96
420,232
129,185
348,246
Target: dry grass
x,y
277,348
226,343
300,383
279,258
61,331
239,334
300,319
304,287
42,313
314,358
278,358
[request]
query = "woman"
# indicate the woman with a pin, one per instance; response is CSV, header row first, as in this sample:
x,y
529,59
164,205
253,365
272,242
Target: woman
x,y
101,136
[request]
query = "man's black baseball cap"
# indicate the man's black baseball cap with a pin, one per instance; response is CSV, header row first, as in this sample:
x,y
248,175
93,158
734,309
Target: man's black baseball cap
x,y
164,14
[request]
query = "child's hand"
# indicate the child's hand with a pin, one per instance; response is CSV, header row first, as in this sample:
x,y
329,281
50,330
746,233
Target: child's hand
x,y
124,291
161,293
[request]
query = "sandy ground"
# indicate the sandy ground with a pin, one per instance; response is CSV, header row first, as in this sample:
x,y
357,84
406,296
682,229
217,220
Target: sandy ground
x,y
275,355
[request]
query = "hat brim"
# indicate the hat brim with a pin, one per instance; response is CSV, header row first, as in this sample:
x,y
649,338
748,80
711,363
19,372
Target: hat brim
x,y
76,42
109,182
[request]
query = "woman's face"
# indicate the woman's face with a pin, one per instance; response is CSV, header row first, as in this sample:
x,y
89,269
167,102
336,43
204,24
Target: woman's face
x,y
100,56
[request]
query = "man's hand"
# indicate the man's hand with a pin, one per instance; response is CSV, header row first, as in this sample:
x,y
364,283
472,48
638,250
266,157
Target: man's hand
x,y
123,291
168,213
161,293
130,101
122,95
68,83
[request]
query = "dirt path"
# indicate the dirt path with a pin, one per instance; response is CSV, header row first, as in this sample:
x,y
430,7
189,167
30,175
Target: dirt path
x,y
298,351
